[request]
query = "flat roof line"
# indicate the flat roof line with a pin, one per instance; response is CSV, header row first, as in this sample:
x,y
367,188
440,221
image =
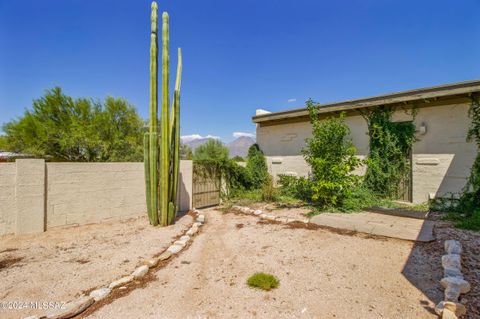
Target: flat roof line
x,y
390,98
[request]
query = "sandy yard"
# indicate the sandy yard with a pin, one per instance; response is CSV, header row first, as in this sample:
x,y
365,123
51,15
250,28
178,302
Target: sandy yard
x,y
59,264
322,275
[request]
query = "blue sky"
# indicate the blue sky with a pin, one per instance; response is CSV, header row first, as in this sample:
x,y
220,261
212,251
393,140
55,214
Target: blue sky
x,y
238,55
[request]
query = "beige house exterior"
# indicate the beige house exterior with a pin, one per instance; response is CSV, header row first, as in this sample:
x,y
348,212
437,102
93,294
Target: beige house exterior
x,y
441,158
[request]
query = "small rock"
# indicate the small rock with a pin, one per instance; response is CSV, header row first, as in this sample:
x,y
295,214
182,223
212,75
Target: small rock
x,y
140,272
461,284
453,247
201,219
101,293
31,317
150,263
120,282
263,215
72,308
165,255
192,231
283,219
455,307
452,293
236,207
452,261
258,212
271,217
197,224
452,272
448,314
174,249
185,238
180,243
244,210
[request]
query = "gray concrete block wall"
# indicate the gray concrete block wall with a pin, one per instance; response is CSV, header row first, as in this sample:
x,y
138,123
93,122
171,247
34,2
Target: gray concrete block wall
x,y
36,196
8,204
30,196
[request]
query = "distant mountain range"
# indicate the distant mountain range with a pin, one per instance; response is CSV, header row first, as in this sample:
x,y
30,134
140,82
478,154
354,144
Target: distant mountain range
x,y
238,147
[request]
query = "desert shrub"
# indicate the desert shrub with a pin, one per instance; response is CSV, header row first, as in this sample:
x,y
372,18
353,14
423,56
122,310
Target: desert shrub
x,y
470,221
211,159
263,281
268,190
330,154
238,159
296,187
257,167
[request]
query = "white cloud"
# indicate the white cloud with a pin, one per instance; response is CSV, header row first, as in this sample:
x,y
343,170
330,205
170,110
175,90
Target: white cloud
x,y
241,134
192,137
292,100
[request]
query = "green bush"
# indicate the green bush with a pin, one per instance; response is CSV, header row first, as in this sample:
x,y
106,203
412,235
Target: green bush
x,y
257,167
269,192
263,281
470,221
331,156
296,187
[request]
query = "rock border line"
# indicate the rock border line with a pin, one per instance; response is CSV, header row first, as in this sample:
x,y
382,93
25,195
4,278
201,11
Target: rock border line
x,y
77,306
453,282
259,213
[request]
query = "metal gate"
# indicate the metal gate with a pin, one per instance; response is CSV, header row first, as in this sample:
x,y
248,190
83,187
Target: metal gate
x,y
206,188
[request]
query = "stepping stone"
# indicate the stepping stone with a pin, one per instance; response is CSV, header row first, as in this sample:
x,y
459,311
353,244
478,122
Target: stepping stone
x,y
379,224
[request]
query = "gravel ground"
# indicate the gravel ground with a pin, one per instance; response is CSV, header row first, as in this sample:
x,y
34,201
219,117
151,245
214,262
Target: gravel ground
x,y
59,264
322,275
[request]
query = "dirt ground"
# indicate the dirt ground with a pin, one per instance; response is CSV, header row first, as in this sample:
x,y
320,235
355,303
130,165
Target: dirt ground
x,y
59,264
322,275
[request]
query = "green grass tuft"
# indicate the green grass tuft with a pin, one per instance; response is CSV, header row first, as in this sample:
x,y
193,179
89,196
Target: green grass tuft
x,y
263,281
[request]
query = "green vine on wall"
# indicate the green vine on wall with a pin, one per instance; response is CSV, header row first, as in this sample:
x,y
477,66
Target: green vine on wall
x,y
470,199
389,157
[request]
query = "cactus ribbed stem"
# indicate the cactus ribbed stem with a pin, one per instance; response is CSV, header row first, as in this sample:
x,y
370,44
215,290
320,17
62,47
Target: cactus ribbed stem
x,y
152,180
164,145
161,150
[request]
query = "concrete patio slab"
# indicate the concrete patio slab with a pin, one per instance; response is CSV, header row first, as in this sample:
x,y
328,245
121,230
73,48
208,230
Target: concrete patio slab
x,y
379,224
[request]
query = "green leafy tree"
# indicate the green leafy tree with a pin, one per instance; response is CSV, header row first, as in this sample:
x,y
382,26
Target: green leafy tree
x,y
185,152
238,158
65,129
212,149
3,143
331,156
257,166
212,156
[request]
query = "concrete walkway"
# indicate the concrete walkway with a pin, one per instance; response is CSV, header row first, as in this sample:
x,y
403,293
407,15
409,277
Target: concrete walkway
x,y
379,224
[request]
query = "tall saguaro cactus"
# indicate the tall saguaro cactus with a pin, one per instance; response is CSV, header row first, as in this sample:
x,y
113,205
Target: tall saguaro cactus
x,y
161,149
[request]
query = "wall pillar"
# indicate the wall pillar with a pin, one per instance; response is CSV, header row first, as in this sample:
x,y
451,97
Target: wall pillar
x,y
30,196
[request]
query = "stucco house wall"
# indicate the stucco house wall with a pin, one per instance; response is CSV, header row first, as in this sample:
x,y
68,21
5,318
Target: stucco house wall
x,y
442,158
